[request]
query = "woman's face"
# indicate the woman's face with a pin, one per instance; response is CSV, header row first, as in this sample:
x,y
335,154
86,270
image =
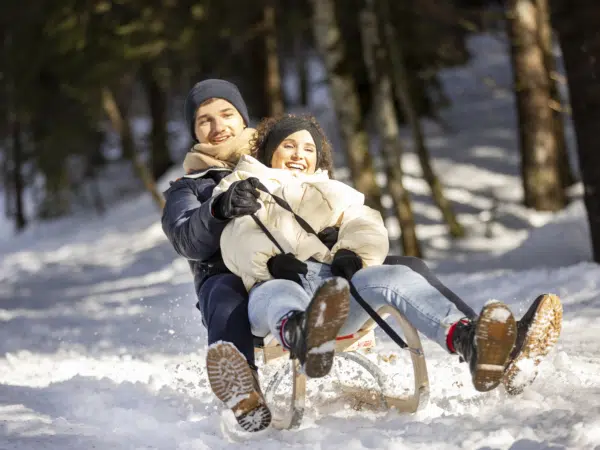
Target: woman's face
x,y
297,152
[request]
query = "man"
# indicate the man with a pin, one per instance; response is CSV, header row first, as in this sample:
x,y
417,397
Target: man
x,y
217,117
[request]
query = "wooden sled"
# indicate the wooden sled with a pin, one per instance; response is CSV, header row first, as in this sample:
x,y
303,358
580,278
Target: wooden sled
x,y
346,347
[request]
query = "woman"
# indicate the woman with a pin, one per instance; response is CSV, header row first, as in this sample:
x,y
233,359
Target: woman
x,y
298,288
277,245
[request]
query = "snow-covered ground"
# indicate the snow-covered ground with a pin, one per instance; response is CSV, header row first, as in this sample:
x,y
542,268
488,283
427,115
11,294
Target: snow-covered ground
x,y
101,346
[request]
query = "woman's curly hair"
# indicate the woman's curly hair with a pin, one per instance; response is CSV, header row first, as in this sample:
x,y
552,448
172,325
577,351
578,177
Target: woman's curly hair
x,y
263,129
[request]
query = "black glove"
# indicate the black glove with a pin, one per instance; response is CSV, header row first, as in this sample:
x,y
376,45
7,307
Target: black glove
x,y
241,199
329,236
346,263
287,267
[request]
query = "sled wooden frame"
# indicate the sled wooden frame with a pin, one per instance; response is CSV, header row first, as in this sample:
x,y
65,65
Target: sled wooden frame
x,y
346,347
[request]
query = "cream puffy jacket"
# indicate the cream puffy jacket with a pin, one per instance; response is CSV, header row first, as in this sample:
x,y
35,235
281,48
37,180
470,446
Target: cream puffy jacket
x,y
316,198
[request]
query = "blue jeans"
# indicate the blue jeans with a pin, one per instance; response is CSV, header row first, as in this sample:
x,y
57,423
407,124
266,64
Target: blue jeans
x,y
416,296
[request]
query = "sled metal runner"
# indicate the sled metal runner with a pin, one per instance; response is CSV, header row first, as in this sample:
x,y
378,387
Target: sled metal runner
x,y
346,347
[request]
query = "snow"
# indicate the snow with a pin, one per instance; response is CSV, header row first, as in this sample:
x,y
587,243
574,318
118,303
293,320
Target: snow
x,y
499,314
236,399
325,347
526,367
321,317
101,346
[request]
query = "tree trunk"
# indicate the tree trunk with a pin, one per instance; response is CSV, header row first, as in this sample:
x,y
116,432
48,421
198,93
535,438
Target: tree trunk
x,y
580,42
96,194
273,78
122,126
14,182
17,175
94,162
346,101
539,149
404,98
157,102
7,184
566,172
300,55
387,125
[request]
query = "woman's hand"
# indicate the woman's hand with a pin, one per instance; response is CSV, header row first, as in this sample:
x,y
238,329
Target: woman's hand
x,y
329,236
345,264
287,267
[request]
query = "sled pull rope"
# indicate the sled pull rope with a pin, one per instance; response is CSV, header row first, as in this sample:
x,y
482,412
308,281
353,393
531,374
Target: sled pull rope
x,y
306,226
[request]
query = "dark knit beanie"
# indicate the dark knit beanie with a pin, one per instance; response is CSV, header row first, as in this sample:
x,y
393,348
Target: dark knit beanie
x,y
282,129
212,88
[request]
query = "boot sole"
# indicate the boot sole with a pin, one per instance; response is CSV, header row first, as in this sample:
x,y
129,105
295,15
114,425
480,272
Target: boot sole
x,y
495,335
542,336
232,382
325,316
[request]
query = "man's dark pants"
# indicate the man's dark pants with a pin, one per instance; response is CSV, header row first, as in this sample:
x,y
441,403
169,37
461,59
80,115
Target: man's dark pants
x,y
223,302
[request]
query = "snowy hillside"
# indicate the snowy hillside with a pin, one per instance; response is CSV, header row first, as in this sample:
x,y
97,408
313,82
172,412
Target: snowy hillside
x,y
101,346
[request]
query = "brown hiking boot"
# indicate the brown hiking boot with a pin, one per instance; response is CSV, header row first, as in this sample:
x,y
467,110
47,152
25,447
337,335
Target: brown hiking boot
x,y
486,344
310,334
236,384
537,333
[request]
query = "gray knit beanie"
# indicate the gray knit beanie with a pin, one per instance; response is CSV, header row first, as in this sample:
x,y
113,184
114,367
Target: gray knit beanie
x,y
212,88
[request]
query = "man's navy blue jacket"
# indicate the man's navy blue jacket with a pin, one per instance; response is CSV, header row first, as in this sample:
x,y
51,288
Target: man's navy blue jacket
x,y
190,226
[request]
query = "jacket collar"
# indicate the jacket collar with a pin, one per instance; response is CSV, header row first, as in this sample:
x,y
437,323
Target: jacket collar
x,y
202,173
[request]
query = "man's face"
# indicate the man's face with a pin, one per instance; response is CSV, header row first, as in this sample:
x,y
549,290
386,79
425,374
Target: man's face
x,y
217,121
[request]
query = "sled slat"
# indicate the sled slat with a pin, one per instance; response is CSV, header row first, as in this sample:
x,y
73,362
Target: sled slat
x,y
362,339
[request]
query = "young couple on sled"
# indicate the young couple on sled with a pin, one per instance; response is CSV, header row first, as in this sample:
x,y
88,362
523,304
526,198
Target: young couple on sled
x,y
274,244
